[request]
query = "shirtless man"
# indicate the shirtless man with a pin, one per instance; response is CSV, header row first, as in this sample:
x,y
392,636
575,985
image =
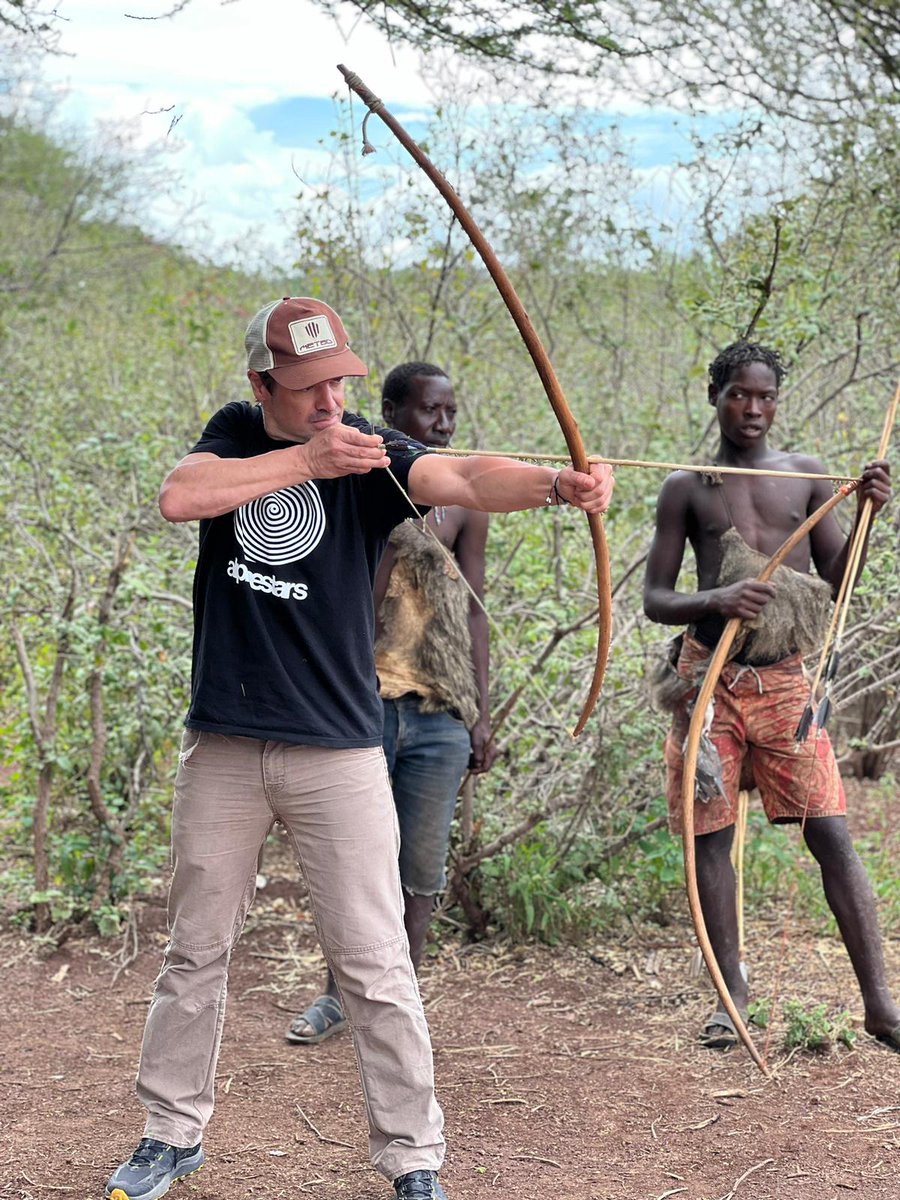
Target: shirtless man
x,y
730,522
431,655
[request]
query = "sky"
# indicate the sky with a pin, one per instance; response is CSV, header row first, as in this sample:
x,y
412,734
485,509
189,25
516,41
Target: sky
x,y
208,84
241,94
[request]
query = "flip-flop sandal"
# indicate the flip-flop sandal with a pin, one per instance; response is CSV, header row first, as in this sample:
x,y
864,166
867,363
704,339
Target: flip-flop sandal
x,y
891,1040
322,1020
726,1036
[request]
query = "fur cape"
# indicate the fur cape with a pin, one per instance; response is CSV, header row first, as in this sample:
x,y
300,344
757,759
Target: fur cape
x,y
796,618
443,642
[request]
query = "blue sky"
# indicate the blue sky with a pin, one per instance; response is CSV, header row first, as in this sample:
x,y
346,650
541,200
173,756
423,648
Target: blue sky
x,y
308,120
656,138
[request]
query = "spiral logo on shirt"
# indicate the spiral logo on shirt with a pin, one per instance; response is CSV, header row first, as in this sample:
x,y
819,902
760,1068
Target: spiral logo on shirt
x,y
283,526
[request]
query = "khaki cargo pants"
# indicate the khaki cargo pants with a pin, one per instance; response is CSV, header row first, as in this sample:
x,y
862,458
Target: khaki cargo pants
x,y
339,813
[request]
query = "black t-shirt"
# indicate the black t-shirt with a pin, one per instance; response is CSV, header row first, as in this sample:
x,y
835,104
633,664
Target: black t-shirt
x,y
283,610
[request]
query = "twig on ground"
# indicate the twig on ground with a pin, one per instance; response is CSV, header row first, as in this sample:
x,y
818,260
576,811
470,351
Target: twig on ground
x,y
699,1124
496,1051
321,1136
128,951
252,1066
288,1008
737,1183
535,1158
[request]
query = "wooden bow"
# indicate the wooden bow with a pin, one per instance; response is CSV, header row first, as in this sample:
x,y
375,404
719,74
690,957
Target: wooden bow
x,y
692,746
542,364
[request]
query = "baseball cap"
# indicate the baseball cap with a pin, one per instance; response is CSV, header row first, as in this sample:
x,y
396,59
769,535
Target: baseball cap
x,y
300,342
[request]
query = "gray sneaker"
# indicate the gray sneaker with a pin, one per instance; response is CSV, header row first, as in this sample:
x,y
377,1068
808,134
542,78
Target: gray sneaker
x,y
152,1168
419,1185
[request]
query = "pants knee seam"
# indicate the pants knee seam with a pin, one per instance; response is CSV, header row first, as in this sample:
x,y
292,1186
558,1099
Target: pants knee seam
x,y
344,951
221,944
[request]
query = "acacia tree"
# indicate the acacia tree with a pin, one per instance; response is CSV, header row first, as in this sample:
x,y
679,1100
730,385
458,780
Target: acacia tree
x,y
812,59
802,57
819,60
33,21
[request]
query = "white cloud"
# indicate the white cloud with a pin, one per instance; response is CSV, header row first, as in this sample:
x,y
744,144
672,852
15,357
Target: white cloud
x,y
256,47
191,81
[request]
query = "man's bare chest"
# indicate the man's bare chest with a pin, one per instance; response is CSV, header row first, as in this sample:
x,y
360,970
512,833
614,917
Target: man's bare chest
x,y
763,511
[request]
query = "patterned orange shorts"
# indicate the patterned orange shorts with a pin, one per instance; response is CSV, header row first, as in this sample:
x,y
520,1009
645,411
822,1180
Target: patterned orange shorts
x,y
756,713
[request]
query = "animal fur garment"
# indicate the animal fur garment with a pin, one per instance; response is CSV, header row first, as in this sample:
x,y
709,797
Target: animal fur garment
x,y
797,616
667,687
425,623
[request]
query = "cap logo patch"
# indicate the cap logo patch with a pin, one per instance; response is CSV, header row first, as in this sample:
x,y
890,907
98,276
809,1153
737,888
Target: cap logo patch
x,y
312,334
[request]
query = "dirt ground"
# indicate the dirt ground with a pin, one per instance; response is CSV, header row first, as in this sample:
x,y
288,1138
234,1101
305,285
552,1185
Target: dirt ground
x,y
562,1072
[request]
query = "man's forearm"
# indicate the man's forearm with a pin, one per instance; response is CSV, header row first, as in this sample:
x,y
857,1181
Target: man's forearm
x,y
479,633
209,486
501,485
511,487
676,608
486,484
504,486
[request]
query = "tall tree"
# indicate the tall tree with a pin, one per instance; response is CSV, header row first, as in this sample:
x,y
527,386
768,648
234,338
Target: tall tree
x,y
802,58
33,20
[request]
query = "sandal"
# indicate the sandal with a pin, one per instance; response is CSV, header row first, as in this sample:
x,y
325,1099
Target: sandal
x,y
725,1036
891,1040
322,1019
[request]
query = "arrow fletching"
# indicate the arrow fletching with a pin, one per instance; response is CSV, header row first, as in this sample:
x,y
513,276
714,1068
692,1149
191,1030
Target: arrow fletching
x,y
803,726
823,712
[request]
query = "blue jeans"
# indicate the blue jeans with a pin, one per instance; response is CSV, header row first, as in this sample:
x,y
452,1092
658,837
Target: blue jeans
x,y
427,755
